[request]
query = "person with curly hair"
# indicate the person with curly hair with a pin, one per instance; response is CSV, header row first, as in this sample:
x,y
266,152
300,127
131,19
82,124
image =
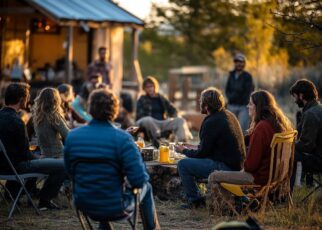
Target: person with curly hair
x,y
49,123
119,164
13,135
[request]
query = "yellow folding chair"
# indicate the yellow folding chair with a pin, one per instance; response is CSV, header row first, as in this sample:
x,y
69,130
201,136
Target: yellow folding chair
x,y
278,184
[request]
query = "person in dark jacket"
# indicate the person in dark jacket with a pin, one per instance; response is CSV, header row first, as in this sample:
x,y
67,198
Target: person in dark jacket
x,y
266,120
13,135
101,66
238,89
100,140
221,146
157,114
308,147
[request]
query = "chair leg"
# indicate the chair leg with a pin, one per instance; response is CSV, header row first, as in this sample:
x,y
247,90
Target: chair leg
x,y
81,220
290,201
135,216
262,211
22,188
313,191
10,196
31,201
13,207
109,226
89,223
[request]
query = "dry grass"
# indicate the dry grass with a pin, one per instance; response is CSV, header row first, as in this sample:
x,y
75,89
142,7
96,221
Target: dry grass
x,y
303,216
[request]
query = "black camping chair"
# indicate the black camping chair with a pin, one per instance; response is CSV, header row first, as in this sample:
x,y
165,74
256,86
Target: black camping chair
x,y
21,179
130,215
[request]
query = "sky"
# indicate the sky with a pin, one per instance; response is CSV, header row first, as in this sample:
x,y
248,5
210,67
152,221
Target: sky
x,y
140,8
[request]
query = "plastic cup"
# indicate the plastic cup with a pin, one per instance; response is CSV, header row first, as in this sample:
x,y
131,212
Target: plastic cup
x,y
164,154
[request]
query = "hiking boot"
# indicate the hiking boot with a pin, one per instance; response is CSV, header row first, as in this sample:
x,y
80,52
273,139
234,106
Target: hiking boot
x,y
200,203
47,205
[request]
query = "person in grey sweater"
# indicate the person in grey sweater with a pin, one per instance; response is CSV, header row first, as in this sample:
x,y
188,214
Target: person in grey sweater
x,y
49,123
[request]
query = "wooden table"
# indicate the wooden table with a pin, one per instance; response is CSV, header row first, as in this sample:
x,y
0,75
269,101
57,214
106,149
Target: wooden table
x,y
158,163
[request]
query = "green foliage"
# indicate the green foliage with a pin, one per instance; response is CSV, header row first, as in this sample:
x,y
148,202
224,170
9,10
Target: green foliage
x,y
206,25
158,54
298,26
208,32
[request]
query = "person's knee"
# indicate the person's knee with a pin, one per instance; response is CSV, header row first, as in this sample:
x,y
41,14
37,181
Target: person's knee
x,y
146,121
214,177
182,165
179,121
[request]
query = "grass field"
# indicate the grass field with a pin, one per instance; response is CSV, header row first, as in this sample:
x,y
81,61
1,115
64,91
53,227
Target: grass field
x,y
302,216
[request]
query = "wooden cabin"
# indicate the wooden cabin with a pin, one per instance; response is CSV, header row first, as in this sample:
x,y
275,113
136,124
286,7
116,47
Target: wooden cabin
x,y
43,32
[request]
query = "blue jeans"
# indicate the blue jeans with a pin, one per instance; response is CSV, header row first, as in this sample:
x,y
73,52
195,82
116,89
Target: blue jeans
x,y
191,168
241,112
55,170
147,208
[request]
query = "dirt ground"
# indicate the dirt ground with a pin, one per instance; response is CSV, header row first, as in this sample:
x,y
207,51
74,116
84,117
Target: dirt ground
x,y
302,216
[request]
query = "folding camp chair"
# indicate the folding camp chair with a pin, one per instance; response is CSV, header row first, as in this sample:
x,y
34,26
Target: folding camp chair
x,y
21,179
130,215
278,184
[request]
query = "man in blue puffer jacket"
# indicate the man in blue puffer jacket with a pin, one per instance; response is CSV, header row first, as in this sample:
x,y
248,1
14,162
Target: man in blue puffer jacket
x,y
99,189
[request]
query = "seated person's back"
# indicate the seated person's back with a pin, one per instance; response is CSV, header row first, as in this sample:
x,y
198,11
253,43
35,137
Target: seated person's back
x,y
99,187
49,123
101,140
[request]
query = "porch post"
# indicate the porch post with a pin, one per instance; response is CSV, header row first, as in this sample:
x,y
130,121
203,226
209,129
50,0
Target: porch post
x,y
27,45
69,55
136,69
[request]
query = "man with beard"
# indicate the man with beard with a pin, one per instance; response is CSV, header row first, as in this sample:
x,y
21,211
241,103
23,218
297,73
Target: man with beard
x,y
238,89
308,147
221,146
13,135
101,66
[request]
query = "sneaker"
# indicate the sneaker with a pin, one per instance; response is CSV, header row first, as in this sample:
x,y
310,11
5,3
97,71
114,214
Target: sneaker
x,y
47,205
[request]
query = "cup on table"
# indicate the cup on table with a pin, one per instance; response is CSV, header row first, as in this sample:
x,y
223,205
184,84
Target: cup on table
x,y
32,147
140,144
164,154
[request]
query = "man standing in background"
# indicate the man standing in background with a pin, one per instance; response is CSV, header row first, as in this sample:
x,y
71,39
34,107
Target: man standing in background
x,y
101,66
238,89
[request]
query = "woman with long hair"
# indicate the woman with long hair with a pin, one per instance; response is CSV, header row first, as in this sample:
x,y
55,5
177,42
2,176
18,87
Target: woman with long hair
x,y
266,119
49,122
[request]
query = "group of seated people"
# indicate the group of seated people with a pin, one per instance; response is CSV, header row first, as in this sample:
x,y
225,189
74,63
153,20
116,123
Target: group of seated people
x,y
155,114
223,152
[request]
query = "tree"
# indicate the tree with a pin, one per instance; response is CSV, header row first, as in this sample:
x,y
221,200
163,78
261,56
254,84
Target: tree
x,y
205,25
299,29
